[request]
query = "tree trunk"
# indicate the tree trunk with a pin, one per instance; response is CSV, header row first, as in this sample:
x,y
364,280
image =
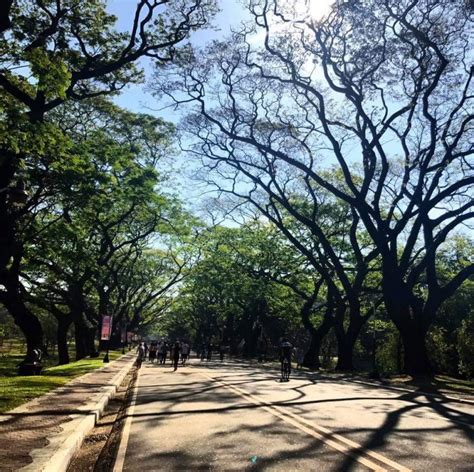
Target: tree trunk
x,y
61,336
10,259
26,321
311,358
406,311
8,167
346,339
80,338
415,356
90,339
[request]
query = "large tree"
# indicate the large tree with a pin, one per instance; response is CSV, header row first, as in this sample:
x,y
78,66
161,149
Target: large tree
x,y
56,51
372,104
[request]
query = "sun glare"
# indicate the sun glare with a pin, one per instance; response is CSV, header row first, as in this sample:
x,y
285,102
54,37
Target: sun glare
x,y
317,8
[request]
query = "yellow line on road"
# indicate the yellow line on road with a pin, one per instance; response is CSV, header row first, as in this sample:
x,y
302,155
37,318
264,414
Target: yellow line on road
x,y
336,441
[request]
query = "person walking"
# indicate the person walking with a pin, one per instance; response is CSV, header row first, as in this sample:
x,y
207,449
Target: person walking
x,y
165,352
184,353
152,352
171,353
209,351
175,355
140,355
221,352
299,357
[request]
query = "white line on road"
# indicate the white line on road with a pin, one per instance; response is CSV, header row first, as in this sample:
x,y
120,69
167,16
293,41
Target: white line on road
x,y
122,450
333,440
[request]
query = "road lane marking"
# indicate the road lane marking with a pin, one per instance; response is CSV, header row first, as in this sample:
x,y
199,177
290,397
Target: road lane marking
x,y
122,451
338,442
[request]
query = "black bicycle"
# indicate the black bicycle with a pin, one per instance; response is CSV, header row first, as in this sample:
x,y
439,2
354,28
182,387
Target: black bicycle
x,y
285,370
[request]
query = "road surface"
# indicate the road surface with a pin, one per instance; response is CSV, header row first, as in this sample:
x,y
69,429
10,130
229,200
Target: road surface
x,y
238,416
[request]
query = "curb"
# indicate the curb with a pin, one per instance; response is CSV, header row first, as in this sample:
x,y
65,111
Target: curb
x,y
56,456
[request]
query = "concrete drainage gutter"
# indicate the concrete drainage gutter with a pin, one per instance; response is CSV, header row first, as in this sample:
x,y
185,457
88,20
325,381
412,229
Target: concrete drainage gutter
x,y
58,453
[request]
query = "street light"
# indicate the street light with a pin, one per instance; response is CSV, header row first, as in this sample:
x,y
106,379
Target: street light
x,y
105,335
123,334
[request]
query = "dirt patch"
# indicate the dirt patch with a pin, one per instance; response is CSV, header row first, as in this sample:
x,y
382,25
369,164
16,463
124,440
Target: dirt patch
x,y
100,446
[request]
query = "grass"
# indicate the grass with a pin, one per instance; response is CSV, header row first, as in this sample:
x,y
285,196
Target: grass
x,y
441,384
16,390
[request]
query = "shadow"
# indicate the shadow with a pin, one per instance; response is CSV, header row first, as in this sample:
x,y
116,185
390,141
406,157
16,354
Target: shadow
x,y
393,408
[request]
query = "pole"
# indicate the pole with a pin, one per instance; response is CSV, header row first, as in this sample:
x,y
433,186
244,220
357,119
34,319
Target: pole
x,y
106,357
123,334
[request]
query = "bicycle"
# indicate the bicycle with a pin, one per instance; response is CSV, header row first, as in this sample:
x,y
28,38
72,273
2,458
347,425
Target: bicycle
x,y
285,370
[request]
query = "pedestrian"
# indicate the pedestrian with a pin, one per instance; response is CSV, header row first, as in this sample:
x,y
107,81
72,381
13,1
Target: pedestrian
x,y
299,357
184,352
152,352
160,352
203,351
165,352
145,345
140,355
171,353
221,352
209,351
175,355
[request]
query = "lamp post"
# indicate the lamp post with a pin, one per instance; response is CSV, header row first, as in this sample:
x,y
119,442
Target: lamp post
x,y
123,334
106,357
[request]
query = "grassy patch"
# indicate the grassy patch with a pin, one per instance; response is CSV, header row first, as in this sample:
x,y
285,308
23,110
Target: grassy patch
x,y
15,390
444,384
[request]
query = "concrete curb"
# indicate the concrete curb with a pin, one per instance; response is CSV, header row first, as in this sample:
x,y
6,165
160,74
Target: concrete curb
x,y
56,456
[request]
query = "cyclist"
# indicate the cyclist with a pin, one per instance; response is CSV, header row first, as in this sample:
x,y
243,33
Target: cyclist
x,y
285,356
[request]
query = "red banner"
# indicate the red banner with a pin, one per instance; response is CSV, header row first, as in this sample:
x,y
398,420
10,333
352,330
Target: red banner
x,y
106,328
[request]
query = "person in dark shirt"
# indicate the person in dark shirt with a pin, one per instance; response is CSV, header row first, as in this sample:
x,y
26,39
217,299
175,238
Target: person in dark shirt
x,y
176,350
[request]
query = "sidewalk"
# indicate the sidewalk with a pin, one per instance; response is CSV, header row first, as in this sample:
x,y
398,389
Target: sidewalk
x,y
43,435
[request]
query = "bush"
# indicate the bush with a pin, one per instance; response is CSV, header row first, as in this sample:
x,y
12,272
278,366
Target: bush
x,y
465,345
441,351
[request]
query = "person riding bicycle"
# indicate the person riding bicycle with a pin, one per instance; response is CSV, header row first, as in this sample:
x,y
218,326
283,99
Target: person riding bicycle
x,y
286,349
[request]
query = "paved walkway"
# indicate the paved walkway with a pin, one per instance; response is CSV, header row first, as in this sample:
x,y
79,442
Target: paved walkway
x,y
234,417
27,430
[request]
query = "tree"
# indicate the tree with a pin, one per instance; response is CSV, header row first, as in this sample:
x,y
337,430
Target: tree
x,y
222,300
52,52
101,210
373,105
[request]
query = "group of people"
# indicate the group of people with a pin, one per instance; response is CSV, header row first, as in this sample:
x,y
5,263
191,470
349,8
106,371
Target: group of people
x,y
180,350
158,351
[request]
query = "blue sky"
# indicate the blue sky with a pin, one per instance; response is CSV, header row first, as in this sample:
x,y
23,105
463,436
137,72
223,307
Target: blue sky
x,y
135,97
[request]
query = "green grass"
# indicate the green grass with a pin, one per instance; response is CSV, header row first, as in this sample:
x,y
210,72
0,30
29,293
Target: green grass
x,y
442,384
15,390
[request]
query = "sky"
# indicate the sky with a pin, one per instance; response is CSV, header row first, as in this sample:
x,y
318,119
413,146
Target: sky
x,y
231,15
135,97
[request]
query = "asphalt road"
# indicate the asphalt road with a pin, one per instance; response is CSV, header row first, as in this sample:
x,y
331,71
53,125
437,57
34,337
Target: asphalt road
x,y
232,416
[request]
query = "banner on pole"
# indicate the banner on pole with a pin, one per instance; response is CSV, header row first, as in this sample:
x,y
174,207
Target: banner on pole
x,y
129,337
106,327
